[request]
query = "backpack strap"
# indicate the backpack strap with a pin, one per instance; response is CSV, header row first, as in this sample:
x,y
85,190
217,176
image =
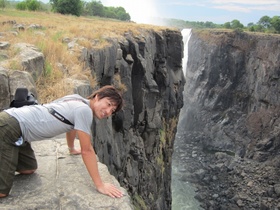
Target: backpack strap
x,y
59,116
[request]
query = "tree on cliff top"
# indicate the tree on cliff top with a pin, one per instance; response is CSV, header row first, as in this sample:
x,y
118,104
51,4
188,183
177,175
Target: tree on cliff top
x,y
3,4
96,8
31,5
117,13
275,22
265,22
235,24
73,7
93,8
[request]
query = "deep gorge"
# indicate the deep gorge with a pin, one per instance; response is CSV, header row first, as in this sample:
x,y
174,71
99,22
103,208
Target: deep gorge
x,y
228,102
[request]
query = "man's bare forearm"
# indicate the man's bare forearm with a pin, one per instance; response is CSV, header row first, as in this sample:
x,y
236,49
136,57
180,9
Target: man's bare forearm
x,y
70,137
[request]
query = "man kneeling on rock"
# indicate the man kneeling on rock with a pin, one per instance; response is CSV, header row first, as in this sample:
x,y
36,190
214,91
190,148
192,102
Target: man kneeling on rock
x,y
72,115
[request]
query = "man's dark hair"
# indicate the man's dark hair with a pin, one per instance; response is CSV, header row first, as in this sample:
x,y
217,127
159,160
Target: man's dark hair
x,y
111,93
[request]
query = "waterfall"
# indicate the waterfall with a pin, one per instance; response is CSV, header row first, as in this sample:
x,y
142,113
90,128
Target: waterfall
x,y
182,191
186,33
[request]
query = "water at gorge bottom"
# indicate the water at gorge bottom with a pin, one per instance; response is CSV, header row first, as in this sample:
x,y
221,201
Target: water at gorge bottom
x,y
182,191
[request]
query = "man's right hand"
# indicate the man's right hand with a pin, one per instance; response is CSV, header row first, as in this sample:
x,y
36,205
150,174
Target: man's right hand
x,y
110,189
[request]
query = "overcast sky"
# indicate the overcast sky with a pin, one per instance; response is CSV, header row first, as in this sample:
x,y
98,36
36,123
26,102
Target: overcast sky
x,y
216,11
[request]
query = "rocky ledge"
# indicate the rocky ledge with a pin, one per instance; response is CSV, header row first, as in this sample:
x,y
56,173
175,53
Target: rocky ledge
x,y
61,182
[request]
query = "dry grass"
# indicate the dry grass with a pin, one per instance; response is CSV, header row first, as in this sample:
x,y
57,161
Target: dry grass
x,y
118,83
91,32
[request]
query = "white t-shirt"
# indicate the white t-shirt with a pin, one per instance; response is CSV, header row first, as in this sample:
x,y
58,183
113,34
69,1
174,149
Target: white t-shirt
x,y
37,123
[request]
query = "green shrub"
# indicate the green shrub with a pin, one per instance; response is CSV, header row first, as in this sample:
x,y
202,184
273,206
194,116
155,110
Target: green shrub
x,y
33,5
21,5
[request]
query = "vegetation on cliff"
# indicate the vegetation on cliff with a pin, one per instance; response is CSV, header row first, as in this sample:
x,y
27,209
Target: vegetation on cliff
x,y
52,39
96,8
71,7
265,24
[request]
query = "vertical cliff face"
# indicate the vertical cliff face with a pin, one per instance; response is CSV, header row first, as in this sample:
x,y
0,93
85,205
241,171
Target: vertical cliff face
x,y
232,81
232,106
137,146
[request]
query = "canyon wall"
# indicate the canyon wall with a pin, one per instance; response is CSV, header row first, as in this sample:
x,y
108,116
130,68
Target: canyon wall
x,y
231,110
137,144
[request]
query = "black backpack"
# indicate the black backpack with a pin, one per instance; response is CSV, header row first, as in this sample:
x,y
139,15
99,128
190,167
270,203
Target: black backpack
x,y
23,97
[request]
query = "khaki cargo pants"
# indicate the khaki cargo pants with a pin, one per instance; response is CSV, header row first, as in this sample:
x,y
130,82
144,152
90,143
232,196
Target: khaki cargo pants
x,y
12,158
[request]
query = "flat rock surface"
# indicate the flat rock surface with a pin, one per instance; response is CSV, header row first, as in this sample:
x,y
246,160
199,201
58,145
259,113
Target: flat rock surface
x,y
61,182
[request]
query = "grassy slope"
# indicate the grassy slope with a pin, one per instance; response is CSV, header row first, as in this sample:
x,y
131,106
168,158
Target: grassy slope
x,y
91,31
